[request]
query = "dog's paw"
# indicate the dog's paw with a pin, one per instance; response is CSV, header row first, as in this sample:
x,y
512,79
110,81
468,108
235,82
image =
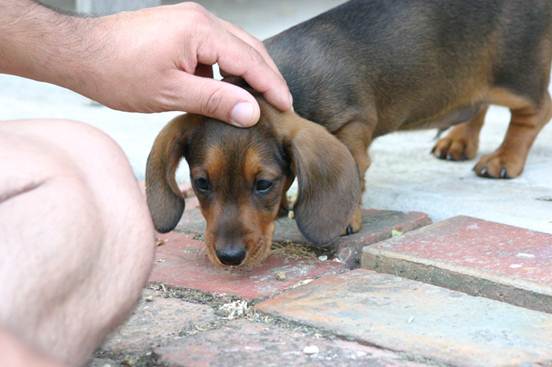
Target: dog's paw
x,y
355,224
499,165
455,149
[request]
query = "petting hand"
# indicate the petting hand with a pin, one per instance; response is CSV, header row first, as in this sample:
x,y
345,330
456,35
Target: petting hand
x,y
159,59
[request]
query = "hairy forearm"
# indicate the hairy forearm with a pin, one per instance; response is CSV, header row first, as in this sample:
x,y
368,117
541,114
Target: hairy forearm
x,y
149,60
39,43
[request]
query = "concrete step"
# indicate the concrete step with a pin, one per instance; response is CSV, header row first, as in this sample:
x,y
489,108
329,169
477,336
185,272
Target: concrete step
x,y
421,320
474,256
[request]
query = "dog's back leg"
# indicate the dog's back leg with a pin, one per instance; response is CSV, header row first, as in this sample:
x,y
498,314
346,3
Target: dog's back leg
x,y
461,143
527,120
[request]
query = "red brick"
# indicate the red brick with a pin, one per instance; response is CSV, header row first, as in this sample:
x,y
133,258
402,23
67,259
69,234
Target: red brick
x,y
418,319
182,262
155,321
244,343
478,257
377,226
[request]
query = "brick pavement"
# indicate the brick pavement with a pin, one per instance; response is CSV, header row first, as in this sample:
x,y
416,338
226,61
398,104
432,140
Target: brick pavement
x,y
419,319
478,257
378,225
298,310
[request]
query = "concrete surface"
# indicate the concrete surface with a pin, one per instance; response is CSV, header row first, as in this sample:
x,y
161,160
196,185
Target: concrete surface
x,y
419,319
403,176
473,256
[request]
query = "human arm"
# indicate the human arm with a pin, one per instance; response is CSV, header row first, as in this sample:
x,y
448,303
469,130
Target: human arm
x,y
151,60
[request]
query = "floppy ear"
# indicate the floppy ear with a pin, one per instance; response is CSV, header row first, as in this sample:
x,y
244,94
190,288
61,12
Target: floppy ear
x,y
165,200
329,183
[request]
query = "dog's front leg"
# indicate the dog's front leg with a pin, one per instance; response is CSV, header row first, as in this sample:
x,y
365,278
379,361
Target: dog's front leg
x,y
357,136
284,203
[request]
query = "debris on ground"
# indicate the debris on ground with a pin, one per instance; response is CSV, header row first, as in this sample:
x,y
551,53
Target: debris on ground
x,y
280,275
396,233
233,309
311,349
301,283
293,250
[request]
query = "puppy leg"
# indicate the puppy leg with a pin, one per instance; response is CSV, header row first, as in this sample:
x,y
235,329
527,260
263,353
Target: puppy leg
x,y
461,143
357,137
284,203
509,159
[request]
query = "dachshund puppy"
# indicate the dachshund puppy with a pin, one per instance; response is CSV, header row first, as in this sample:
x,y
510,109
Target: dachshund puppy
x,y
359,71
241,176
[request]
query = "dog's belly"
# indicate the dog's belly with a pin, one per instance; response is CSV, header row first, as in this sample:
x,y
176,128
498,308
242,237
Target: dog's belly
x,y
442,121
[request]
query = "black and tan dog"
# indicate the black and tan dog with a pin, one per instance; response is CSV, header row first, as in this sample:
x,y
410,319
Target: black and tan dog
x,y
361,70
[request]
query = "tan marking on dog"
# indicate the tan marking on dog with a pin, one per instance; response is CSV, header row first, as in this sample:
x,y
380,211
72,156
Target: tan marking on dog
x,y
504,97
258,228
252,165
211,213
215,161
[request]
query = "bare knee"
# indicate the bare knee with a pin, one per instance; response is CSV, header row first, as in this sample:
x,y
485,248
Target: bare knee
x,y
76,233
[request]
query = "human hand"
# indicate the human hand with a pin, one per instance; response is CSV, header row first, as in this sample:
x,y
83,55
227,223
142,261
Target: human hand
x,y
159,59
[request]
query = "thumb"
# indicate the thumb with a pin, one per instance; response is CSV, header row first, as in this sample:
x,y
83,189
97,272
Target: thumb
x,y
217,99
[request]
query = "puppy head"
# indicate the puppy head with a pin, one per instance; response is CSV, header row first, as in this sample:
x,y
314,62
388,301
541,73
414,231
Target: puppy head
x,y
241,175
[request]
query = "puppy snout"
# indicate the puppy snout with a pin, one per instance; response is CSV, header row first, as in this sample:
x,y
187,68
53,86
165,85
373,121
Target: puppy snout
x,y
231,254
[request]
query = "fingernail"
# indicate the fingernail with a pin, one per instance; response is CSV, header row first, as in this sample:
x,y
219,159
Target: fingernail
x,y
242,114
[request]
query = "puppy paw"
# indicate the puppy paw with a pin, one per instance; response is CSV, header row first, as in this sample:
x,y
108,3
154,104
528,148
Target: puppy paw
x,y
355,224
499,165
455,149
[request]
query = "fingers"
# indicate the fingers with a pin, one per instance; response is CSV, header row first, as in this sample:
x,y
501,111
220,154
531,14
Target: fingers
x,y
237,57
253,42
216,99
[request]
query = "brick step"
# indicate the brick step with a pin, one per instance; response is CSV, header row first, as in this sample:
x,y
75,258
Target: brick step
x,y
378,225
182,262
174,332
474,256
245,343
419,319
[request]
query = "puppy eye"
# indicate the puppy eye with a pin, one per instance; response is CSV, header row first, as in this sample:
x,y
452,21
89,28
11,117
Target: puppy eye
x,y
263,186
202,184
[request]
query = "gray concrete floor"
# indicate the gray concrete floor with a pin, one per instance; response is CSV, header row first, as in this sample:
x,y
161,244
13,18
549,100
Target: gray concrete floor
x,y
403,175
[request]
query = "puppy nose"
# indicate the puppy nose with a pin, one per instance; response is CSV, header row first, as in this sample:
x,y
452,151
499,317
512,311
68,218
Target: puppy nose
x,y
231,254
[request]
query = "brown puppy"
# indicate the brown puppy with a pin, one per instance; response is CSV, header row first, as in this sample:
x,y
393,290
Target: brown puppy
x,y
241,176
361,70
